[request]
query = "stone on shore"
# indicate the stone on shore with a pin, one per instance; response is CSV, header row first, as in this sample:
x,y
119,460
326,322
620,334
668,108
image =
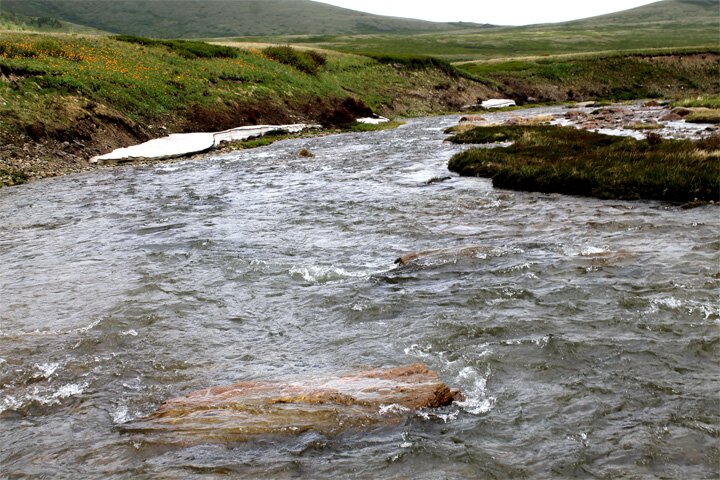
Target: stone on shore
x,y
327,405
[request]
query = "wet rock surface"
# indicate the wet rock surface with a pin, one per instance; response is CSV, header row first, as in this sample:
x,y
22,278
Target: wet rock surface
x,y
326,405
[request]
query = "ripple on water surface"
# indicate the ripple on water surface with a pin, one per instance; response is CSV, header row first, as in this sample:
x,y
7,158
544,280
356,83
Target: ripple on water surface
x,y
584,333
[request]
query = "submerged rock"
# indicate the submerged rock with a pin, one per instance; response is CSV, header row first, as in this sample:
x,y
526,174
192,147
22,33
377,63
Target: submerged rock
x,y
327,405
440,255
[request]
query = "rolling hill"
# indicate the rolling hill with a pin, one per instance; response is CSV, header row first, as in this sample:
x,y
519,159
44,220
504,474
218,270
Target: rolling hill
x,y
669,12
664,24
220,18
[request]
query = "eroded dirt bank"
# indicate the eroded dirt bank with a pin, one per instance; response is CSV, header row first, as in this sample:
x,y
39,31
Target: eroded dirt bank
x,y
45,150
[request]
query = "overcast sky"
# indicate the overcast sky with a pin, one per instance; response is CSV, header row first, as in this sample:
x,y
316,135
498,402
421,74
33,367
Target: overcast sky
x,y
498,12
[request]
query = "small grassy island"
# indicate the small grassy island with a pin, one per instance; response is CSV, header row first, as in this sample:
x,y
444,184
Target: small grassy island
x,y
554,159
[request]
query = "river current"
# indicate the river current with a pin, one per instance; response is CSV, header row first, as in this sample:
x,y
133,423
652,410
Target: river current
x,y
585,333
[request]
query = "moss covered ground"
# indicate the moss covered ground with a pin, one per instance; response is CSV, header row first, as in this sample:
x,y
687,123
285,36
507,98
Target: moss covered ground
x,y
566,160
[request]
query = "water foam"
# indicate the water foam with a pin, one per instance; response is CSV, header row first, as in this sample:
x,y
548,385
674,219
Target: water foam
x,y
318,274
11,402
476,402
46,369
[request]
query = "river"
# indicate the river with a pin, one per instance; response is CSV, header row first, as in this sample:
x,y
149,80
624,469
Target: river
x,y
585,334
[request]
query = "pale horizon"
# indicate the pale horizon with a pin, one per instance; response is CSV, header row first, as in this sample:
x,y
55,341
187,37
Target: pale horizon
x,y
508,12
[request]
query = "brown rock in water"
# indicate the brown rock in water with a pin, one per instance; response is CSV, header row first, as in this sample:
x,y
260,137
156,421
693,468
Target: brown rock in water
x,y
327,405
473,119
682,112
671,117
440,254
576,114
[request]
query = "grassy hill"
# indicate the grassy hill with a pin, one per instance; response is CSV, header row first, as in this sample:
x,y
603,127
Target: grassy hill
x,y
219,18
669,23
663,12
22,23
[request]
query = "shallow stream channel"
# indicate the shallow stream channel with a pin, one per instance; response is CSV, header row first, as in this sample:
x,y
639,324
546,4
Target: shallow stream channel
x,y
584,333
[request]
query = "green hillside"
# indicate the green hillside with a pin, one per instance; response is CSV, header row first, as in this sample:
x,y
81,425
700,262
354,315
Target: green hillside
x,y
219,18
22,23
664,12
669,23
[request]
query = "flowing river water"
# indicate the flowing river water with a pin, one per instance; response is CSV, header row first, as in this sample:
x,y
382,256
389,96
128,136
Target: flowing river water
x,y
584,333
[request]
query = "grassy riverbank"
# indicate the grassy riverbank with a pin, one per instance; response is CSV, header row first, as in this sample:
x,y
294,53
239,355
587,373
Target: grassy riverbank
x,y
668,73
66,98
554,159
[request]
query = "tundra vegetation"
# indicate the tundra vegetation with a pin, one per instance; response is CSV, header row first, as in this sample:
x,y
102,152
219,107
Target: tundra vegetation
x,y
554,159
65,98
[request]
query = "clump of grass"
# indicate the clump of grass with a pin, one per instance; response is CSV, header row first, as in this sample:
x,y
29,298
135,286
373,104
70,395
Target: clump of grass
x,y
417,62
577,162
704,115
12,177
185,48
368,127
707,101
306,61
494,134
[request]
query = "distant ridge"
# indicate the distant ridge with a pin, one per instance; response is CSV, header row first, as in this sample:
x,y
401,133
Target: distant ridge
x,y
221,18
665,11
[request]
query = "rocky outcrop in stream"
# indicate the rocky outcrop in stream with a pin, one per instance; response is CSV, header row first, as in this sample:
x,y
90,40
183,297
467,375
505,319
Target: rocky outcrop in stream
x,y
327,405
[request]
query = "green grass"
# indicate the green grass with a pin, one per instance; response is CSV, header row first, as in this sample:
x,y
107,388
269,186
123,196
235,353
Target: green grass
x,y
576,162
367,127
52,80
416,62
704,115
217,18
16,22
707,101
667,24
616,76
305,61
185,48
10,177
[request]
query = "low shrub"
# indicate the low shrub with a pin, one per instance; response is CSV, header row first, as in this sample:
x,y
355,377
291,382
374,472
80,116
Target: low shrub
x,y
306,61
185,48
417,62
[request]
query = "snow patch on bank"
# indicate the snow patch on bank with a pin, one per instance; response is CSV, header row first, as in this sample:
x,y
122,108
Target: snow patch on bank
x,y
182,144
